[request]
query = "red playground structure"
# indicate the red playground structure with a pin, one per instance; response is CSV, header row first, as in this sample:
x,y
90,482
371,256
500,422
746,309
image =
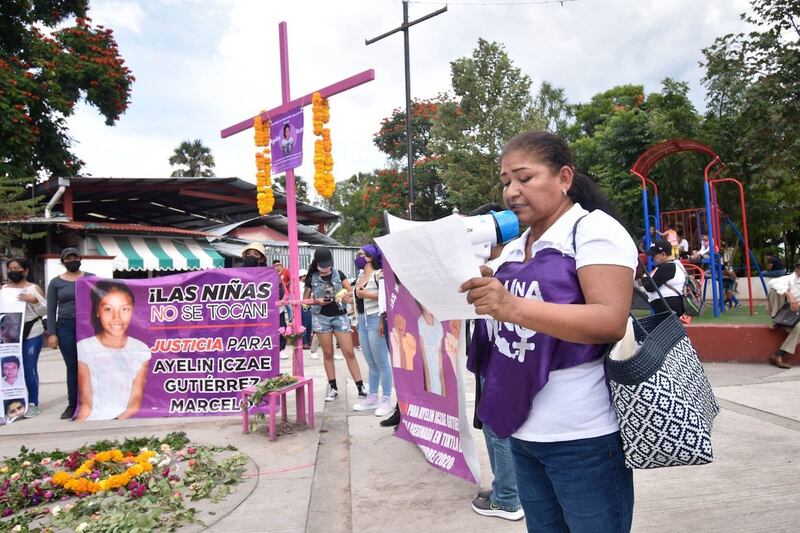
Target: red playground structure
x,y
706,220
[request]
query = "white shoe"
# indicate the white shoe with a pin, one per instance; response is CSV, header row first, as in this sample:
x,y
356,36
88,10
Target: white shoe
x,y
284,355
370,402
338,356
332,394
384,407
314,355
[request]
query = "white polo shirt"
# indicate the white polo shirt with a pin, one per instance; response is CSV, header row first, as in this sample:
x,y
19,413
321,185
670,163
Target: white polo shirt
x,y
575,403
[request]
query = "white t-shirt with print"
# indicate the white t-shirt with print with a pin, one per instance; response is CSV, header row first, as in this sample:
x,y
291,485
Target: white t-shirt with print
x,y
575,403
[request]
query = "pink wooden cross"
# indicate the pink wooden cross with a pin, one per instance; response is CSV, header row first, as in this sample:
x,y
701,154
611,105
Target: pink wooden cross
x,y
291,192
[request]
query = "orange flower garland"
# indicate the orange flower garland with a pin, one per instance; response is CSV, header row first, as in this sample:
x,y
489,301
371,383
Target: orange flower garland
x,y
78,484
265,198
323,161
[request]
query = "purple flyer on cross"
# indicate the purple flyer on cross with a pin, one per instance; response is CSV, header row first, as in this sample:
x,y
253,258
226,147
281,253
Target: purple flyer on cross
x,y
286,144
181,345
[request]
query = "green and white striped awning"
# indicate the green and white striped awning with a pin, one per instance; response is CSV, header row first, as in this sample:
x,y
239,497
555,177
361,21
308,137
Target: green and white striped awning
x,y
151,253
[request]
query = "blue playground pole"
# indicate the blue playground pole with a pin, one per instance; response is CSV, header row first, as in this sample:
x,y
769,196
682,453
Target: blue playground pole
x,y
647,242
752,257
712,254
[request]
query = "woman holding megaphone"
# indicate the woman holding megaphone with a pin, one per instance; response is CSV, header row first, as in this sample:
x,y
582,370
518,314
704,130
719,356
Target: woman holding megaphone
x,y
556,296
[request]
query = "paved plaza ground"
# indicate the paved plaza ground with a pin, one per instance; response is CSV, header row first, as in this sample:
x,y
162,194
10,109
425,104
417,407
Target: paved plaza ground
x,y
350,474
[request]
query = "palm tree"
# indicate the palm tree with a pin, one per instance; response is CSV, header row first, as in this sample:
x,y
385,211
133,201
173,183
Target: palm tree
x,y
195,156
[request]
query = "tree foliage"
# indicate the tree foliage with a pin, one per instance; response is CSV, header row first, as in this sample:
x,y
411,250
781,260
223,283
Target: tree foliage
x,y
431,199
492,104
301,187
195,159
44,73
753,83
16,203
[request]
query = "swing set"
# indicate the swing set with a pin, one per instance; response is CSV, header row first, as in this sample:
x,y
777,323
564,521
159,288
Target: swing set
x,y
697,221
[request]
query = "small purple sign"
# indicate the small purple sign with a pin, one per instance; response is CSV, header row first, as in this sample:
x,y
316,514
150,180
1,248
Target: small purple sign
x,y
181,345
286,134
428,358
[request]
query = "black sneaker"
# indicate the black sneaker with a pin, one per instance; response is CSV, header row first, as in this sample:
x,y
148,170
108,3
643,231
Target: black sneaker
x,y
362,393
485,494
393,420
68,412
488,508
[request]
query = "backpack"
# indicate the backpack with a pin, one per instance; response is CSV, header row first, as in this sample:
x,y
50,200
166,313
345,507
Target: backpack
x,y
692,294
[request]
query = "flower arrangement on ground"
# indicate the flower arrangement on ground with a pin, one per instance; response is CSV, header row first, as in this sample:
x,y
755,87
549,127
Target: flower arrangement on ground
x,y
141,484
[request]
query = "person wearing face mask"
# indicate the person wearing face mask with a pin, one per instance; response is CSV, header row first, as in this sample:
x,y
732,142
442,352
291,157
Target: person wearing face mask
x,y
18,273
330,318
61,321
254,255
376,352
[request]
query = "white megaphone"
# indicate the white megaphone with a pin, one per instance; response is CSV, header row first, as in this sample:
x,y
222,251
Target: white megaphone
x,y
485,231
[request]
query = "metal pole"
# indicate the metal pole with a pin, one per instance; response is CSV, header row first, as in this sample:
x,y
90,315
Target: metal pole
x,y
291,215
409,149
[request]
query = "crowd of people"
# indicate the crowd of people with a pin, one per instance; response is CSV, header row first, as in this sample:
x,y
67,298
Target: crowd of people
x,y
551,431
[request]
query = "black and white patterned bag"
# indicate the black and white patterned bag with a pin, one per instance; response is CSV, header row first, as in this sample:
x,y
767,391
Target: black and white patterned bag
x,y
661,395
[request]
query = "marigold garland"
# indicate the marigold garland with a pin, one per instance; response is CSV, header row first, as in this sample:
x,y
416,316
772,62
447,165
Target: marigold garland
x,y
265,198
323,161
78,484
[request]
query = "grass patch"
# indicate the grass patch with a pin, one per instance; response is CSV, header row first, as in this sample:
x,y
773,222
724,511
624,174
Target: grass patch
x,y
732,316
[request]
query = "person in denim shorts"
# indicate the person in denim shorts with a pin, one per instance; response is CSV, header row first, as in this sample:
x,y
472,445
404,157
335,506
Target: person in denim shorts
x,y
329,318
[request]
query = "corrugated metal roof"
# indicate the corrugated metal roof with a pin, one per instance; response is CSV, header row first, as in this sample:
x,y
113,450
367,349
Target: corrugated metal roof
x,y
135,228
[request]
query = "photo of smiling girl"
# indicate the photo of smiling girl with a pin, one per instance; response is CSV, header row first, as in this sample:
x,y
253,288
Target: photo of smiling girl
x,y
112,367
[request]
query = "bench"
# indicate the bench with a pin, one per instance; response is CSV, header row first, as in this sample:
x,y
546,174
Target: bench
x,y
272,399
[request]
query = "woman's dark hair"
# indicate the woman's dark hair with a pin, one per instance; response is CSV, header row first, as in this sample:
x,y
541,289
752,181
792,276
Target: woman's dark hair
x,y
99,291
551,150
24,263
287,126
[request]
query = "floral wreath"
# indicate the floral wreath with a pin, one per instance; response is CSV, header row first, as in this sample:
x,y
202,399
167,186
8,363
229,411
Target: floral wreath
x,y
78,484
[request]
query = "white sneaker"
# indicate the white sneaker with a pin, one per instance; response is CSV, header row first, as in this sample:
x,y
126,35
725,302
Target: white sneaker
x,y
338,356
284,355
314,355
370,402
385,406
332,394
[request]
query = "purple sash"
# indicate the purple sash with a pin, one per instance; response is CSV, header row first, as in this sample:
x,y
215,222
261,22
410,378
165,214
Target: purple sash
x,y
516,362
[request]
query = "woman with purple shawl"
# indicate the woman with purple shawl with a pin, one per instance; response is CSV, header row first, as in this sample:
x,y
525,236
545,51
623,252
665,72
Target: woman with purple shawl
x,y
555,297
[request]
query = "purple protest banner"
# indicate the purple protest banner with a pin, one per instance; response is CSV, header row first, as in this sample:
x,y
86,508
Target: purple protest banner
x,y
286,134
428,361
181,345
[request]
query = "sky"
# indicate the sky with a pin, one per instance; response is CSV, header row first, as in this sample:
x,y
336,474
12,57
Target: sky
x,y
203,65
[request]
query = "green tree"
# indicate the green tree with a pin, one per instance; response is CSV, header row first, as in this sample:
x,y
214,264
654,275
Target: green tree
x,y
613,129
195,158
430,192
551,104
753,83
301,187
16,203
492,104
362,199
44,72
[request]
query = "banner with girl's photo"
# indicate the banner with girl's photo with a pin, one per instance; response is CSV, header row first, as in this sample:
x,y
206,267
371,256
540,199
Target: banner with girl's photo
x,y
428,362
13,392
180,345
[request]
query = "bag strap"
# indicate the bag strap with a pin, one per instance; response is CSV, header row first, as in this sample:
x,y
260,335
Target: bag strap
x,y
575,233
685,275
